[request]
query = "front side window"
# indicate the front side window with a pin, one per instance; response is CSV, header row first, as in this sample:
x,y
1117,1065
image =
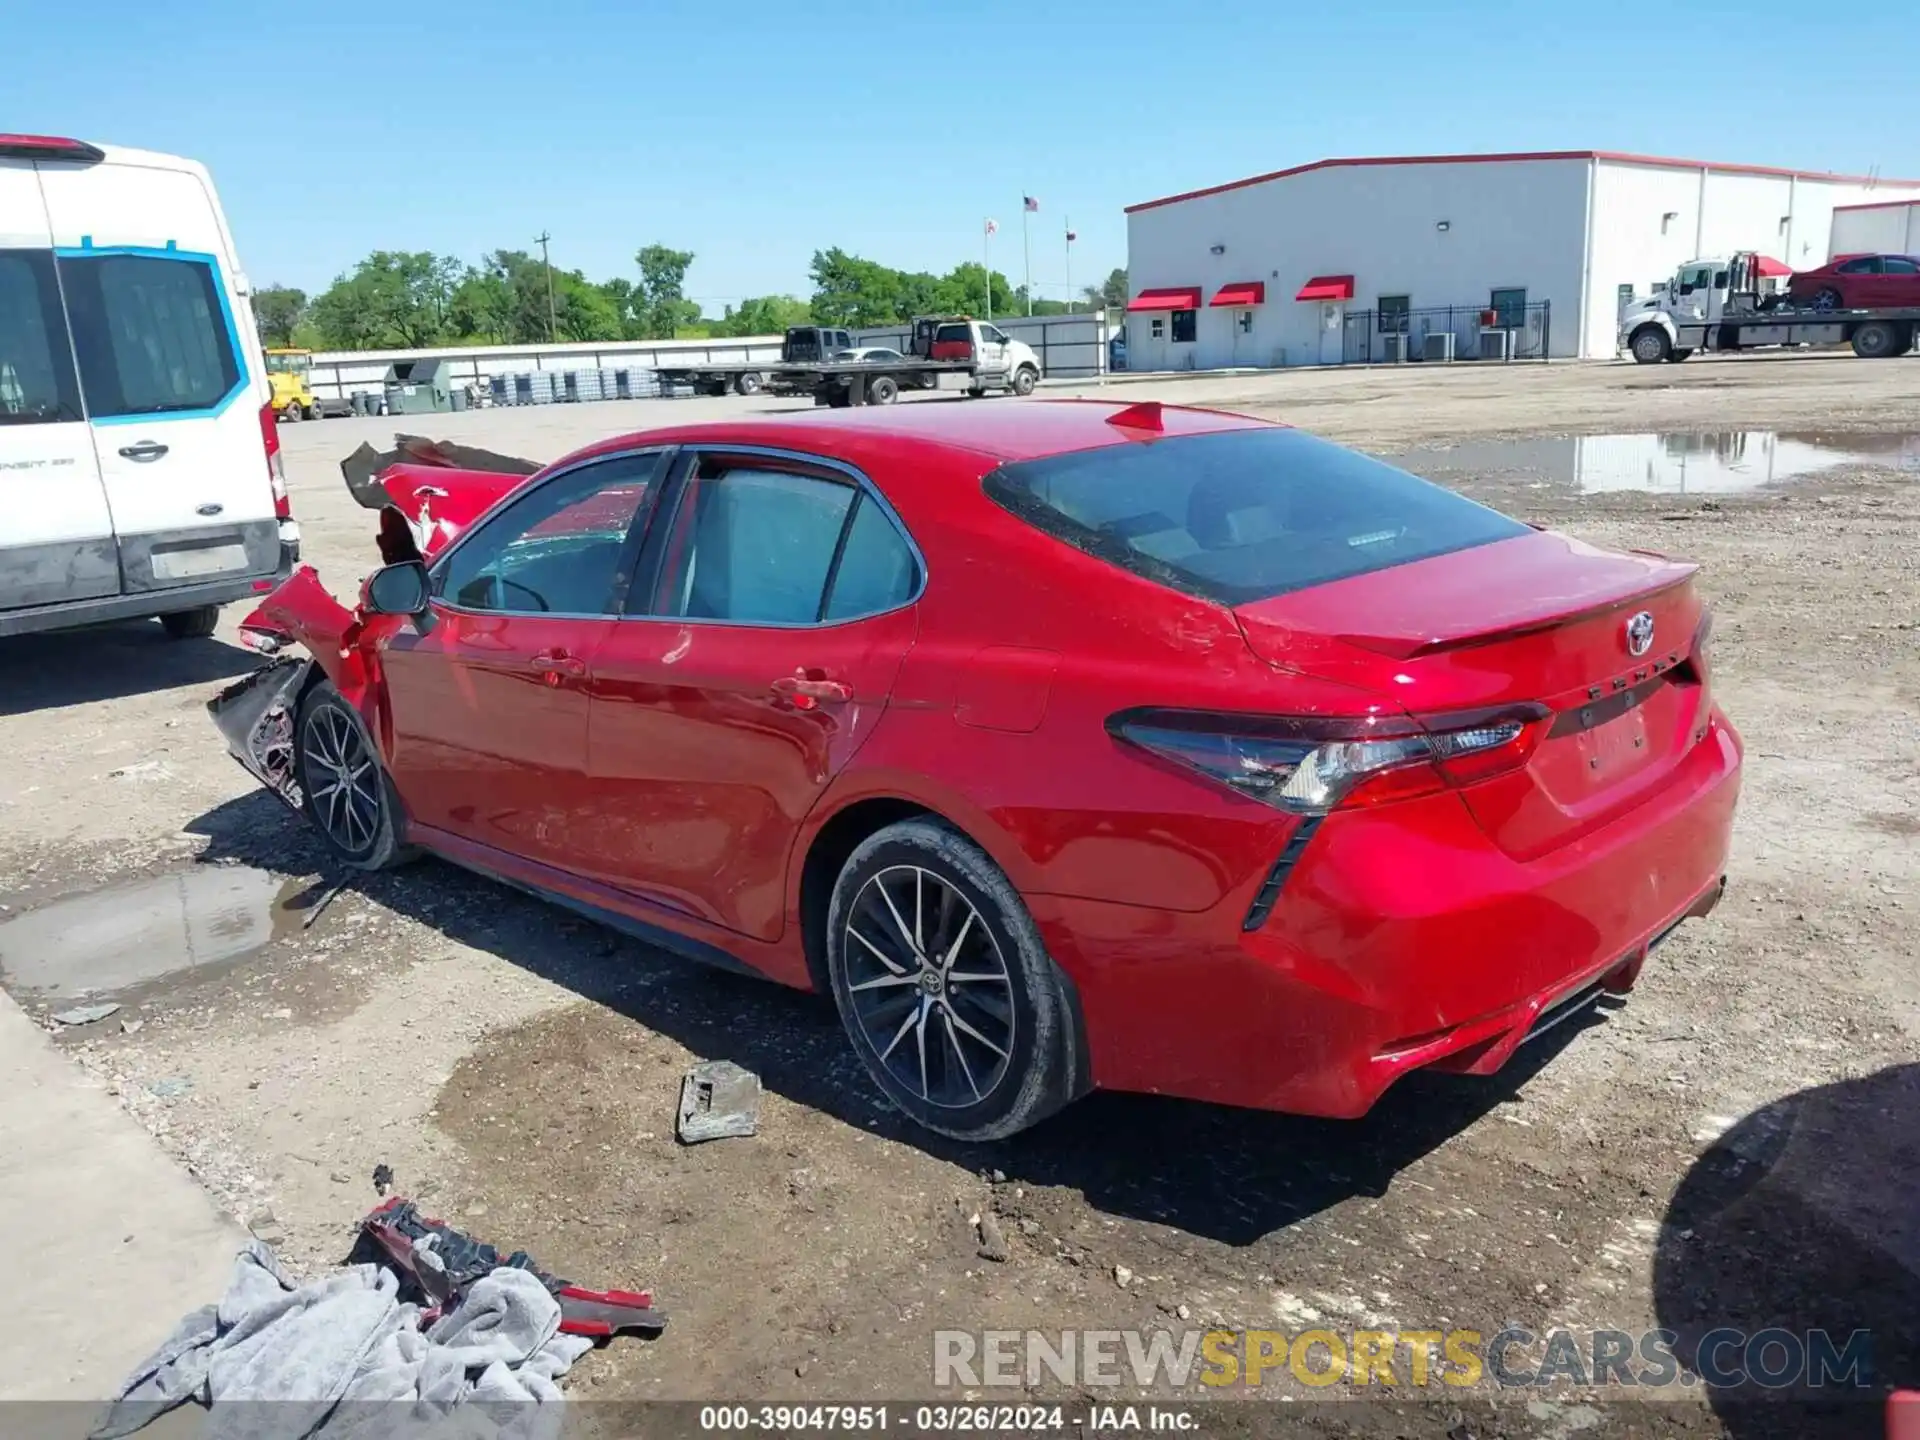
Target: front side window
x,y
1510,307
1185,325
36,366
151,334
1241,515
993,335
557,550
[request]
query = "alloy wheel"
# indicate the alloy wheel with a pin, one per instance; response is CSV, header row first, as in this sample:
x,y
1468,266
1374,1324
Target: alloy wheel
x,y
342,780
930,989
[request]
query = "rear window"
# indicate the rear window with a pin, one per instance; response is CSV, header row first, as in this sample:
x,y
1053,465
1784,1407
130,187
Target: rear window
x,y
151,333
36,368
948,333
1242,515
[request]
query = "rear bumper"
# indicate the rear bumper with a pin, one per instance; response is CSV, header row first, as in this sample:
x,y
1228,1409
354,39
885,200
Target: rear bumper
x,y
70,614
1401,939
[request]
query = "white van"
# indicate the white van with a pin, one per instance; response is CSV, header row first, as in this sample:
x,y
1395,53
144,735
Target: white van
x,y
139,462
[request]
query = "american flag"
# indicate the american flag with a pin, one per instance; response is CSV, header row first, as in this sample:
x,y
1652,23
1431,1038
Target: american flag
x,y
1071,237
1030,202
992,225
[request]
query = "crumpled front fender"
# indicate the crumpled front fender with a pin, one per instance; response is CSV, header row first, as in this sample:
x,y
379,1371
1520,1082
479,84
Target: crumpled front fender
x,y
256,715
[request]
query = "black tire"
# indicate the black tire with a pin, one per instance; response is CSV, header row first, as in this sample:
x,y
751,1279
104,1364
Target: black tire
x,y
1881,340
358,822
1826,300
1649,345
747,383
1676,356
974,392
999,1048
882,390
196,624
292,411
839,397
313,412
1024,379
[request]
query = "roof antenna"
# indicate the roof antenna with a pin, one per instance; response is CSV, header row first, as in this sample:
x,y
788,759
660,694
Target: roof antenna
x,y
1143,416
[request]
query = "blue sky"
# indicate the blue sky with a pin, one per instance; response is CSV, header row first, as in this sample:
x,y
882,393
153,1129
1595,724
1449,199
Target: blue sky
x,y
754,133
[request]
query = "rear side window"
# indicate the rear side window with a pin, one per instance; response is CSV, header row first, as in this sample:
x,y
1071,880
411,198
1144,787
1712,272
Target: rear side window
x,y
151,332
752,546
1242,515
876,571
36,367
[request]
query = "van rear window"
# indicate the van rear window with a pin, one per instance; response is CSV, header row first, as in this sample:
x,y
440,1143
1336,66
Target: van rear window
x,y
151,334
1241,515
36,367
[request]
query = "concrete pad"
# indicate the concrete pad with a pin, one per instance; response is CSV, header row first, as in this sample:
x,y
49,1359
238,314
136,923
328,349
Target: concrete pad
x,y
110,1242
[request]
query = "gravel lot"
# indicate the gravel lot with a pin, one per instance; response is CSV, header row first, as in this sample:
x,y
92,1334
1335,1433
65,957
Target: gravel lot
x,y
1735,1145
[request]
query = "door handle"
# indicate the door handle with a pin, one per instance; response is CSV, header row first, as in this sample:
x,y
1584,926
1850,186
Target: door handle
x,y
554,665
143,452
808,688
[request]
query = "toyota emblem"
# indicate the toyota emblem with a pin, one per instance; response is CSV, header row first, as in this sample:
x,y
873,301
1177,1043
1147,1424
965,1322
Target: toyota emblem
x,y
1640,633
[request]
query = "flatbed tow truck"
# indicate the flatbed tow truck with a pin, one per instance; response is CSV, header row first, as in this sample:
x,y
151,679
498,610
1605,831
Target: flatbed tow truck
x,y
1719,305
945,346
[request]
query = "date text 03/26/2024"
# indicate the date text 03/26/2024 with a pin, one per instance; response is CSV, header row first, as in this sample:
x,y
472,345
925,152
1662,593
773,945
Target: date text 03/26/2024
x,y
945,1419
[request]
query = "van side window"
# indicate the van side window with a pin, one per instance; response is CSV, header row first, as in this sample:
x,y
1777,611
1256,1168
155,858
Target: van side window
x,y
152,333
36,367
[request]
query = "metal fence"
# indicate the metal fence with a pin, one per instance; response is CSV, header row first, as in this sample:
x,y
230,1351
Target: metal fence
x,y
1069,346
1448,333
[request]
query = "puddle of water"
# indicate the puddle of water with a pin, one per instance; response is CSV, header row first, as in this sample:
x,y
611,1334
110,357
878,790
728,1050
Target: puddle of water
x,y
1719,462
104,941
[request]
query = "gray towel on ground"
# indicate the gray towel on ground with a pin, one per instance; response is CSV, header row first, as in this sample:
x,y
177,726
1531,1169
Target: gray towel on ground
x,y
340,1356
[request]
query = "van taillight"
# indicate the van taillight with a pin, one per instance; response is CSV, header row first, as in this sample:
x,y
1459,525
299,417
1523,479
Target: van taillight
x,y
276,470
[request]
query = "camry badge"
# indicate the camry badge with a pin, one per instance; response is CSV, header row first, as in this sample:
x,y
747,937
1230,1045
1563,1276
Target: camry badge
x,y
1640,633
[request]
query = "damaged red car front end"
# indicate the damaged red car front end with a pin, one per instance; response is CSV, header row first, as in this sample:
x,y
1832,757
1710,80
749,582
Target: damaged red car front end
x,y
424,498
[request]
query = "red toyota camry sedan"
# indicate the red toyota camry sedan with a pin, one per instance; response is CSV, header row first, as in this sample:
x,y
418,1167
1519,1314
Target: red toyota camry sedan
x,y
1067,744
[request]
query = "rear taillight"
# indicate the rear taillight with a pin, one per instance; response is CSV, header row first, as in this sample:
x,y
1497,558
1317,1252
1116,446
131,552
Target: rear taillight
x,y
276,468
49,147
1311,766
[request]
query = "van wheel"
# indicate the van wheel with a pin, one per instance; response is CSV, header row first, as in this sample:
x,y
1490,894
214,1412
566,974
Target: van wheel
x,y
343,788
1024,379
195,624
945,989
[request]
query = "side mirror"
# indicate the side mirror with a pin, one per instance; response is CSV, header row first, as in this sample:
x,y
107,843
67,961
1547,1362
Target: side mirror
x,y
397,590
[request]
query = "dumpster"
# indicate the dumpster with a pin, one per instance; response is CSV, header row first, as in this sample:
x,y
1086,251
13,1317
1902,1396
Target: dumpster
x,y
418,387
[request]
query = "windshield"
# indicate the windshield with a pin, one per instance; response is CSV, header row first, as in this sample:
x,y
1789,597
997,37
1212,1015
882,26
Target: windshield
x,y
1243,515
289,364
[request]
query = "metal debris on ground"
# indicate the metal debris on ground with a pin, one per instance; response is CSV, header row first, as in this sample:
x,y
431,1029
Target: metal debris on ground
x,y
718,1100
326,899
85,1014
382,1179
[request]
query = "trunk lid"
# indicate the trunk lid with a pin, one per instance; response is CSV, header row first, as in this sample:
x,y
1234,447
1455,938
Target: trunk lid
x,y
1539,618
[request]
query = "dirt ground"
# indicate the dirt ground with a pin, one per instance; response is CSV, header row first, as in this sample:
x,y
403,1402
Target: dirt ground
x,y
1735,1145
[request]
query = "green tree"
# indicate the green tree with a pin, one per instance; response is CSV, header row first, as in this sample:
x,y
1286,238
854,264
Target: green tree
x,y
1112,294
392,298
661,299
278,311
763,315
854,292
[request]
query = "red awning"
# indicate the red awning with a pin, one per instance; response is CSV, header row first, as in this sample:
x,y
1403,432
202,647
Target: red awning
x,y
1241,293
1179,297
1327,287
1768,268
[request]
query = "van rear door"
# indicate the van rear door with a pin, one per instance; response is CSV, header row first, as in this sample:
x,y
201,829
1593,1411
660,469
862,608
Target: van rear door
x,y
56,532
173,390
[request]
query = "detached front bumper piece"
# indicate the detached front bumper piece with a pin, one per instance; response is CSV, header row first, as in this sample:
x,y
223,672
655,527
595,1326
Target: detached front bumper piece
x,y
256,715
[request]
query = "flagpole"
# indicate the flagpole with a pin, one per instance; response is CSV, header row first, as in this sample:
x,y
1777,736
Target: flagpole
x,y
1026,251
986,261
1069,233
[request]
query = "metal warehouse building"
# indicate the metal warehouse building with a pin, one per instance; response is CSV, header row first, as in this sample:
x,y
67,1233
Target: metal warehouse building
x,y
1450,256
